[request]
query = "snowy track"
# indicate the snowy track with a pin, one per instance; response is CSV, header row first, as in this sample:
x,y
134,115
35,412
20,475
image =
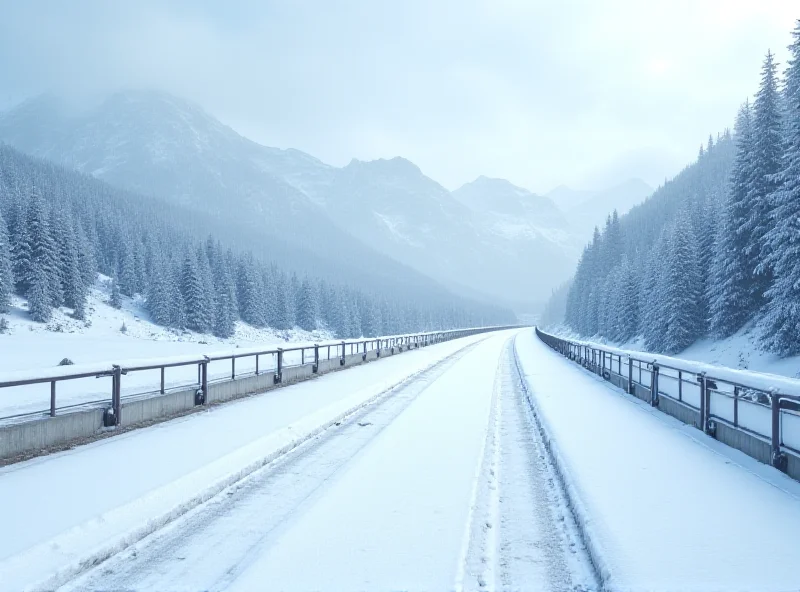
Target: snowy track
x,y
440,485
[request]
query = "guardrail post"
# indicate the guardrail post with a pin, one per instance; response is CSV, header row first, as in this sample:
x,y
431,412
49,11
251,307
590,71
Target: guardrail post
x,y
654,385
779,459
201,396
52,398
631,388
278,377
233,367
364,354
256,364
112,415
162,380
315,367
701,379
341,360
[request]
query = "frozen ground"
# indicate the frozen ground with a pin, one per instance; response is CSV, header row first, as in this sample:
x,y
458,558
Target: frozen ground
x,y
438,484
664,507
442,469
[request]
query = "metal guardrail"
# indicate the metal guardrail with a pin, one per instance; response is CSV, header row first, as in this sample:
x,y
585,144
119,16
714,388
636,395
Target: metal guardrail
x,y
765,413
279,358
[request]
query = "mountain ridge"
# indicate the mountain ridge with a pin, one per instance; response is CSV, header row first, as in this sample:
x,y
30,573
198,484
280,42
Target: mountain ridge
x,y
156,144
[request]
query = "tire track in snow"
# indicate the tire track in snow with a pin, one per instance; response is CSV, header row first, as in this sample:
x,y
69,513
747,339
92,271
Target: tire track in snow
x,y
210,546
523,535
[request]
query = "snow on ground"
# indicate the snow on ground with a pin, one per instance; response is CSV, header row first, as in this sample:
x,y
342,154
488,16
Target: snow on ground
x,y
664,507
62,508
440,484
31,346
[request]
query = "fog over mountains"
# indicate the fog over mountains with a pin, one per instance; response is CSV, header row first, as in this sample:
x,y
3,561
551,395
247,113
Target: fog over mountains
x,y
484,240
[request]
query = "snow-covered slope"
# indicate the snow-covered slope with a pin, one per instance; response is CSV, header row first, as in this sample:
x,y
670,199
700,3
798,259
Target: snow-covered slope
x,y
112,334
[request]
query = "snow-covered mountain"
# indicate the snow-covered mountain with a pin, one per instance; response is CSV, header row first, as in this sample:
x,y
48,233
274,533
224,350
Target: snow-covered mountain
x,y
513,212
493,250
487,239
156,144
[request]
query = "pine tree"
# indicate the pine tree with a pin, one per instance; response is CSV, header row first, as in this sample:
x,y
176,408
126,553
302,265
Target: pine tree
x,y
628,301
682,288
158,294
284,315
196,306
43,273
307,307
116,297
6,273
766,162
782,321
732,301
21,248
39,302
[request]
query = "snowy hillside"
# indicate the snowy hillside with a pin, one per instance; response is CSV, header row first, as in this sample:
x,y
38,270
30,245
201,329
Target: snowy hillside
x,y
110,334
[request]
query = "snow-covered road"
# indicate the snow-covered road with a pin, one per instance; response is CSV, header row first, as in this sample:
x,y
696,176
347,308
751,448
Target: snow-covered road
x,y
439,484
663,506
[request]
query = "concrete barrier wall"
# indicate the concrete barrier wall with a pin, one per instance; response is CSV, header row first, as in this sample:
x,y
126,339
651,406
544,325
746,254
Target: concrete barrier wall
x,y
47,433
679,411
138,411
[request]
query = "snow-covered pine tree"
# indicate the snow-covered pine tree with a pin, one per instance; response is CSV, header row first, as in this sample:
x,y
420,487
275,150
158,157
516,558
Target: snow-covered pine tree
x,y
127,267
766,164
43,274
207,289
20,247
731,301
158,293
628,301
224,290
6,273
197,317
177,303
75,290
249,299
307,306
781,324
284,305
116,297
39,301
682,287
651,298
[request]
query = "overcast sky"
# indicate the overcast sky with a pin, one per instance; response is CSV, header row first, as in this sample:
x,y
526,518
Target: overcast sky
x,y
542,92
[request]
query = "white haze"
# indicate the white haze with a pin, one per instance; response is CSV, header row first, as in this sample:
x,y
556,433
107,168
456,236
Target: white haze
x,y
579,92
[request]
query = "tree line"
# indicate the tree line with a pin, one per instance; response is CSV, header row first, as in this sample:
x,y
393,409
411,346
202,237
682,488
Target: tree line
x,y
715,248
59,228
